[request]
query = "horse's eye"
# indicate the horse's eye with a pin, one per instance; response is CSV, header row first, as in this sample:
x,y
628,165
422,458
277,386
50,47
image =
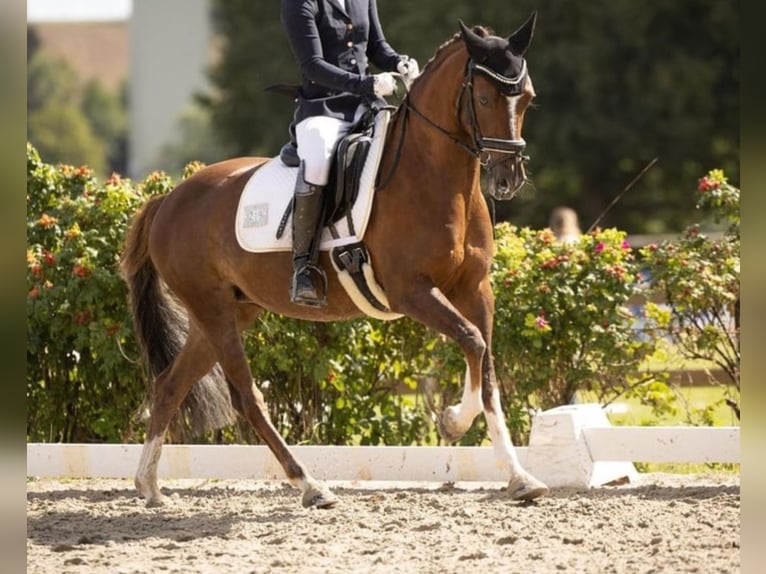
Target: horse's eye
x,y
483,100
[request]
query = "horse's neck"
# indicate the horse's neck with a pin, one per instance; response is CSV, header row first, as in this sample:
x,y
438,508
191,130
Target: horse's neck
x,y
436,98
436,94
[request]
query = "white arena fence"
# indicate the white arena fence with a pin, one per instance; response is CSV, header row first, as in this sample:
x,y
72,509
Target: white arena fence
x,y
569,446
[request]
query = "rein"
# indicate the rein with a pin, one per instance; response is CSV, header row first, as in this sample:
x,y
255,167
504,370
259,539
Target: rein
x,y
511,149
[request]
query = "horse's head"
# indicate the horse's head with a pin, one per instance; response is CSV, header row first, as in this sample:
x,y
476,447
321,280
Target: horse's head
x,y
492,102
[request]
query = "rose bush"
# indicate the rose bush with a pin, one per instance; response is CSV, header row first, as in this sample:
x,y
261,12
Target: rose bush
x,y
563,322
83,380
698,280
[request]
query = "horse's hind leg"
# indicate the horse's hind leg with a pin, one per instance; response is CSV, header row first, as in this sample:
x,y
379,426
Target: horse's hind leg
x,y
248,400
193,362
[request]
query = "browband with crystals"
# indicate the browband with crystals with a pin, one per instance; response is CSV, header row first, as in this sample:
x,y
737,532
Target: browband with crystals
x,y
514,84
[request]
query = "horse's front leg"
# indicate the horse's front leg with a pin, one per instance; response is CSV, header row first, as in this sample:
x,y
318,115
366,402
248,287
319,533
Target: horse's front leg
x,y
427,304
455,420
471,329
477,305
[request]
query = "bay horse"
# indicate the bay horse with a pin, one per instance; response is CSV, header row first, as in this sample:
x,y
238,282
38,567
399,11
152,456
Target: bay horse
x,y
193,289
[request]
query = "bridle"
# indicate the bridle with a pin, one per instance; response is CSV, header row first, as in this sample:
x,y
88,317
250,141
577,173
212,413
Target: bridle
x,y
480,147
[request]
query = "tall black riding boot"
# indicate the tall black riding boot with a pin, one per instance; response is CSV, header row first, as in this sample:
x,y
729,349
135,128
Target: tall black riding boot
x,y
309,285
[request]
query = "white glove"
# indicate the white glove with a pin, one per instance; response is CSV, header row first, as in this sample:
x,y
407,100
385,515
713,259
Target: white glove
x,y
383,84
408,68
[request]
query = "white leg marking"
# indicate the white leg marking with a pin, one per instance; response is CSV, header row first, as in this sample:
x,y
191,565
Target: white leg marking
x,y
505,453
146,476
461,416
522,485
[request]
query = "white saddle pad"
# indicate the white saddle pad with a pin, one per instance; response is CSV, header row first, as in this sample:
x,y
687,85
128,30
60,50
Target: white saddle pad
x,y
267,194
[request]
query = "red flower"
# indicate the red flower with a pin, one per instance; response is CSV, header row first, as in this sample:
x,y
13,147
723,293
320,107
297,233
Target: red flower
x,y
49,258
115,179
600,247
83,171
34,293
82,318
706,184
47,221
80,271
37,270
625,244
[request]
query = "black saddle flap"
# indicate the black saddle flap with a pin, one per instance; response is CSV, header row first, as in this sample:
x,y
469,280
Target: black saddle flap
x,y
346,172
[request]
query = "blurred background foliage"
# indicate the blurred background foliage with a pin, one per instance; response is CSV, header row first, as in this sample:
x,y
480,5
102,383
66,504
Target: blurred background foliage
x,y
72,121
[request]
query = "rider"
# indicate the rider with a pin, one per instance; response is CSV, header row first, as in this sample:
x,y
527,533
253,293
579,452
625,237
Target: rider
x,y
333,41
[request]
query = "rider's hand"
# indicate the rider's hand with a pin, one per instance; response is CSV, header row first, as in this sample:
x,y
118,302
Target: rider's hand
x,y
408,68
384,84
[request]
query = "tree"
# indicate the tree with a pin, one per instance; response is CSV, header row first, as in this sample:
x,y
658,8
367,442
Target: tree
x,y
255,54
197,141
620,83
62,134
50,81
73,123
109,120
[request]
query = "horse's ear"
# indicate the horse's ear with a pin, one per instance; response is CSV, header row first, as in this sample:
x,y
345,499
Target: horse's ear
x,y
519,41
476,45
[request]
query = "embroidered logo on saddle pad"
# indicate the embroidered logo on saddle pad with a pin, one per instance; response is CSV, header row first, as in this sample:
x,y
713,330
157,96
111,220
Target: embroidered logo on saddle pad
x,y
267,194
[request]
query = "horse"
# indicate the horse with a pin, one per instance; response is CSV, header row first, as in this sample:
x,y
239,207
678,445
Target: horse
x,y
193,290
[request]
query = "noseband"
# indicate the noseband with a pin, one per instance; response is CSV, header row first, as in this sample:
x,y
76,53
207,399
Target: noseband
x,y
511,149
507,87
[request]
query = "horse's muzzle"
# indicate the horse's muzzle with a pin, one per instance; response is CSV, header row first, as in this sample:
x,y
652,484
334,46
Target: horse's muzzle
x,y
507,176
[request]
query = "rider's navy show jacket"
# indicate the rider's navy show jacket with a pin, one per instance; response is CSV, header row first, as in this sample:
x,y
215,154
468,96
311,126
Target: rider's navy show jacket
x,y
334,48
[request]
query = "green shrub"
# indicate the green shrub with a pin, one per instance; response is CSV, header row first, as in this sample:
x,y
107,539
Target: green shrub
x,y
83,380
563,322
341,382
698,280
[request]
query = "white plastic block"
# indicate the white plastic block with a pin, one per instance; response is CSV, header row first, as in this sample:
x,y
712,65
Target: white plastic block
x,y
558,449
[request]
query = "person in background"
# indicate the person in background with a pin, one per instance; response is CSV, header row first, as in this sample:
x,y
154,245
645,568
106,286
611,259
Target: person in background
x,y
334,43
564,224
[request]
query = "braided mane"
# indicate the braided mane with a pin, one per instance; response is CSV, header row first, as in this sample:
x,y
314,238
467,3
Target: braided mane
x,y
454,40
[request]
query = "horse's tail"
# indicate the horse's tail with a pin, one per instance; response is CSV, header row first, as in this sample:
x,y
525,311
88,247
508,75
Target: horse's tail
x,y
161,326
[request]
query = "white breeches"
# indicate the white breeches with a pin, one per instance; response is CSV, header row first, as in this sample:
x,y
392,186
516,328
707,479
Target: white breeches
x,y
316,138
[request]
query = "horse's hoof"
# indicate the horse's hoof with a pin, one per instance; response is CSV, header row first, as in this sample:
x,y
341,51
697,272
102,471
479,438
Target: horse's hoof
x,y
447,426
155,501
153,496
526,487
316,497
